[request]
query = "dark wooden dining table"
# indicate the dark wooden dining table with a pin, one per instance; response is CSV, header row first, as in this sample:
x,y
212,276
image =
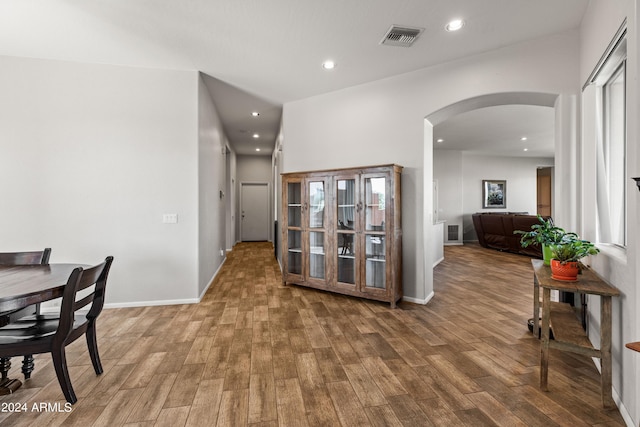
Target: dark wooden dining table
x,y
21,287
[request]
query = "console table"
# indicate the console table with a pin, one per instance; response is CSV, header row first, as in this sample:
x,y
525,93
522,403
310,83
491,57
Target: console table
x,y
567,329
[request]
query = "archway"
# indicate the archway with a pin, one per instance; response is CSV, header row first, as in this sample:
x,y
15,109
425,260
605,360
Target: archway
x,y
565,107
492,100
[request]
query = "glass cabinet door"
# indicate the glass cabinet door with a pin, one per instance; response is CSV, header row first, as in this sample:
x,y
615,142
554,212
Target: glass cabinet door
x,y
316,223
294,222
375,248
345,229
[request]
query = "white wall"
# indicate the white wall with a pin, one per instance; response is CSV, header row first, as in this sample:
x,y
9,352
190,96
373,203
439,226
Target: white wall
x,y
618,267
254,169
383,122
93,156
212,175
460,176
447,170
520,174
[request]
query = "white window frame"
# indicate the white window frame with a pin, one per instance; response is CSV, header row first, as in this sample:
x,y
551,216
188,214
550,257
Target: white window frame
x,y
611,185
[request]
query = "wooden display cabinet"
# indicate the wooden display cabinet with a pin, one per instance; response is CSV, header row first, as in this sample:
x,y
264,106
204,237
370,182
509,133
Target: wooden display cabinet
x,y
342,231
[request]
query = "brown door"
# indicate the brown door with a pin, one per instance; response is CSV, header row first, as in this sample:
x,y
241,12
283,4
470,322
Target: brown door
x,y
544,191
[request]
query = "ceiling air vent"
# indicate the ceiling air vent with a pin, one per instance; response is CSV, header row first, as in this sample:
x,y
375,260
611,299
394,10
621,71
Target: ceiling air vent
x,y
401,36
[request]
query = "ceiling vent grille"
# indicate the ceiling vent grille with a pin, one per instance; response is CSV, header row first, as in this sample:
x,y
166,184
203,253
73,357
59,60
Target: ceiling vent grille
x,y
401,36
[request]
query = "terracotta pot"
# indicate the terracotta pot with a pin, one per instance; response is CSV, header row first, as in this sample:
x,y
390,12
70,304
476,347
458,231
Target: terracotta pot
x,y
564,272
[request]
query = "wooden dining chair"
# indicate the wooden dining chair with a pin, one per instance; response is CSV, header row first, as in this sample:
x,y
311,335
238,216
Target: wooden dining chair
x,y
21,258
45,335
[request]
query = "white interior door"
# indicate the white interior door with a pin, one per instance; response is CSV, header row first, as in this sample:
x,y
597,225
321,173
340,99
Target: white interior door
x,y
254,215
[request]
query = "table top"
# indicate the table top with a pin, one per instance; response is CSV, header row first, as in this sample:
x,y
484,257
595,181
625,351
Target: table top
x,y
24,285
588,281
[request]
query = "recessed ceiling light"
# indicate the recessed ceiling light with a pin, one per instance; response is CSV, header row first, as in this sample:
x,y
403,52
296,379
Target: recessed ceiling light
x,y
440,140
524,138
526,149
256,136
454,25
328,65
255,114
257,149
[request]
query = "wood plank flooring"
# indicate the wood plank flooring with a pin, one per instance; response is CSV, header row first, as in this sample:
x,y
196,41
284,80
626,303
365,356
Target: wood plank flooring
x,y
257,353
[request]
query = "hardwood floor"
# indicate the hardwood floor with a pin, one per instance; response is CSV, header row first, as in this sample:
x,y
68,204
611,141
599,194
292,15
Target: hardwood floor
x,y
254,352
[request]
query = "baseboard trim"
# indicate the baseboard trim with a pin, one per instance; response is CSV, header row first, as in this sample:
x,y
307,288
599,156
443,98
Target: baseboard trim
x,y
215,273
438,261
419,301
626,416
152,303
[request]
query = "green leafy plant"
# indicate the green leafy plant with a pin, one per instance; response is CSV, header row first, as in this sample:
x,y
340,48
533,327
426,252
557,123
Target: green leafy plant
x,y
545,233
573,250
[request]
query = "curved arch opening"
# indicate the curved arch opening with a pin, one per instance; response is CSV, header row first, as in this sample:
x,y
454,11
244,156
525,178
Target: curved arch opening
x,y
492,100
564,131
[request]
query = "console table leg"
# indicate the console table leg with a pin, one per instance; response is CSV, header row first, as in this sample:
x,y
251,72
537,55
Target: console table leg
x,y
544,345
605,350
536,307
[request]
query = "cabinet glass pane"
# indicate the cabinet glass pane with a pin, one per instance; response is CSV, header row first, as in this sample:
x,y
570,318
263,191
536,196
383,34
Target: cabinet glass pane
x,y
295,251
346,214
316,204
375,270
294,204
316,255
346,258
374,203
346,203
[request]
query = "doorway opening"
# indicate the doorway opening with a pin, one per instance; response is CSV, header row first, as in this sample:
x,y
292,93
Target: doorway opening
x,y
544,186
564,110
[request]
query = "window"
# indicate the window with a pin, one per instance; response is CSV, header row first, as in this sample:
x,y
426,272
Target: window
x,y
611,170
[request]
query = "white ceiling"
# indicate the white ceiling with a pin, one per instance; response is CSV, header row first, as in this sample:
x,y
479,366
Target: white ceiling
x,y
261,54
498,131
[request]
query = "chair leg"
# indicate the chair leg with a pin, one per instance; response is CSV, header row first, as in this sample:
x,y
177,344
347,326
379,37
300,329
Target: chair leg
x,y
5,365
27,366
62,372
92,345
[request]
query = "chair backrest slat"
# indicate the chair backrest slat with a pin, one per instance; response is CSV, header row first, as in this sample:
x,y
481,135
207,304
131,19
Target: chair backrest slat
x,y
81,303
25,258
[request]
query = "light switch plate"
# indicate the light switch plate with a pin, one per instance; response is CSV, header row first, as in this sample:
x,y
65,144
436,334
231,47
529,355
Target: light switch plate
x,y
170,218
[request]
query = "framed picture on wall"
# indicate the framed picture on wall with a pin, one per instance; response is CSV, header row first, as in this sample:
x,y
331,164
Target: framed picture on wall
x,y
494,194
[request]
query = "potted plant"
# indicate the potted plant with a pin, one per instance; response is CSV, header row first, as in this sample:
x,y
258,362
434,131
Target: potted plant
x,y
545,234
565,258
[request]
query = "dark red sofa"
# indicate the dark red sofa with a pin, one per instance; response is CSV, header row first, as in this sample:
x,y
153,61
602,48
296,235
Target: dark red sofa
x,y
496,231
